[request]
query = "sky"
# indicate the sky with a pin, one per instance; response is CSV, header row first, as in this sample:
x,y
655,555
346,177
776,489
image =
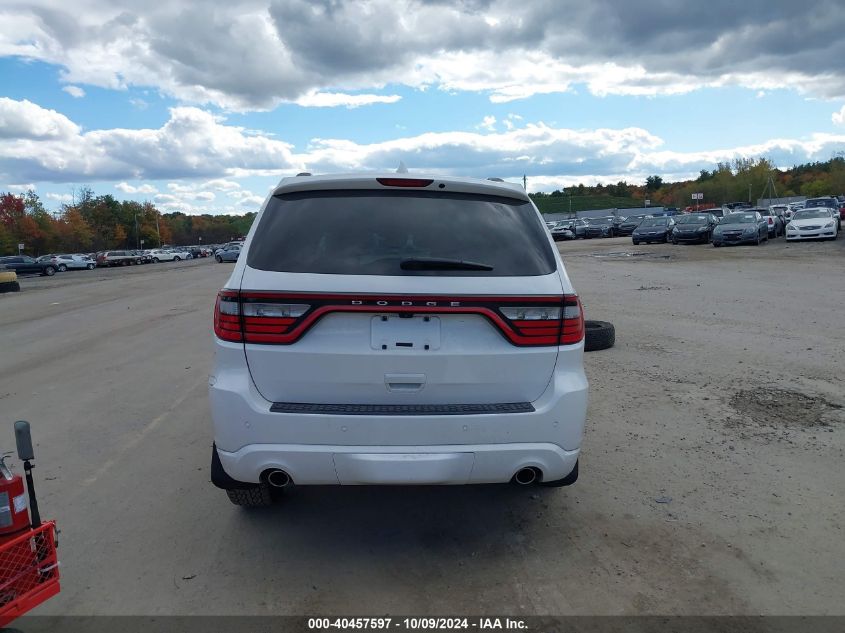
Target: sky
x,y
204,107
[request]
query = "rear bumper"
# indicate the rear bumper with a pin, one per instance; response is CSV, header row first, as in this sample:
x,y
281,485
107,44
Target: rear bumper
x,y
397,465
394,449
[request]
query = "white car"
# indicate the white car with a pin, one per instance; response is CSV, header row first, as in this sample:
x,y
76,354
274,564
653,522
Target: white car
x,y
813,224
165,255
563,231
73,262
396,329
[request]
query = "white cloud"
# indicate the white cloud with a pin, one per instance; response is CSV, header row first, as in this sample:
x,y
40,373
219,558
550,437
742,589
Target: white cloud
x,y
26,120
64,198
487,123
42,145
324,54
838,118
21,188
74,91
127,188
337,99
202,158
220,184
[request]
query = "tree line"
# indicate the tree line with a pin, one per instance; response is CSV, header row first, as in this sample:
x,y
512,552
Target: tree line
x,y
93,223
744,179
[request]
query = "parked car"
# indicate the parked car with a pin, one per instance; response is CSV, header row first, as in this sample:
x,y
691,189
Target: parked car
x,y
434,340
817,223
580,228
228,245
694,227
74,262
653,230
47,258
228,254
117,258
741,227
783,211
716,212
563,230
194,251
600,227
24,264
825,201
165,255
774,222
628,224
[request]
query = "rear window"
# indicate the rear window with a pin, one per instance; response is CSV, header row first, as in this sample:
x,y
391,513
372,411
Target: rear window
x,y
372,232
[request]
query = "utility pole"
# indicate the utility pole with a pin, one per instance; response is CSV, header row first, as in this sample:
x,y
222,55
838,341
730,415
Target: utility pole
x,y
137,237
749,192
524,182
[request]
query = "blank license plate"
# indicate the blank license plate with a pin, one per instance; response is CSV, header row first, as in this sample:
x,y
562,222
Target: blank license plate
x,y
395,332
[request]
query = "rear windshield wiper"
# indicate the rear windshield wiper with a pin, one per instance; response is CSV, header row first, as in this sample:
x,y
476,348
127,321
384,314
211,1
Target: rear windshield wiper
x,y
437,263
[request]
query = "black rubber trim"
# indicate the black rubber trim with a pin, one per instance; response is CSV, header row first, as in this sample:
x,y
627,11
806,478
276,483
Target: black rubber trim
x,y
221,478
401,409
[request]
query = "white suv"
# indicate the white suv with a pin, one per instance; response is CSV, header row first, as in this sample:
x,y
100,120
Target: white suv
x,y
396,330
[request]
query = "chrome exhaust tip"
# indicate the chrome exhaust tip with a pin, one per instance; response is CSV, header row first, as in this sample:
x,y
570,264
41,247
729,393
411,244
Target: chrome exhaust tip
x,y
278,478
525,476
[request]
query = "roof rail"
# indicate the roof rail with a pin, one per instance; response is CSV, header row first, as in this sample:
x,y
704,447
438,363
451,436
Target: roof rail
x,y
494,179
303,173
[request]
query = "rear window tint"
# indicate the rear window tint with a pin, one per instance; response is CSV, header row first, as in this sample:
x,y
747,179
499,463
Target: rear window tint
x,y
371,232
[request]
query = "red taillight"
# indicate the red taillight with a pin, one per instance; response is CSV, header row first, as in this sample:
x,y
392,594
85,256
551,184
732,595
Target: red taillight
x,y
404,182
771,220
283,318
572,329
227,316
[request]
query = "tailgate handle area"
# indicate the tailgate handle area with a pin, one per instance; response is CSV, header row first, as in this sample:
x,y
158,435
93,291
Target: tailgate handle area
x,y
404,382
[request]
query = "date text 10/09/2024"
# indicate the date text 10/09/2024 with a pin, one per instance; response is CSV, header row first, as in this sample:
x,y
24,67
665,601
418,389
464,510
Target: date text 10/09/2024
x,y
417,624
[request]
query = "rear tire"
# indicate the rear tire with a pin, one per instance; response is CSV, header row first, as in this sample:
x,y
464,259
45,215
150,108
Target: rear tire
x,y
598,335
255,497
49,271
219,259
62,268
90,267
636,242
177,259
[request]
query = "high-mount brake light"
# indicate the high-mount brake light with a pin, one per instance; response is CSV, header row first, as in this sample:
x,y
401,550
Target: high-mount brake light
x,y
404,182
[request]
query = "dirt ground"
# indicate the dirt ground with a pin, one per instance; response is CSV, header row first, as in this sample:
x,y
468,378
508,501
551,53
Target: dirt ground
x,y
712,477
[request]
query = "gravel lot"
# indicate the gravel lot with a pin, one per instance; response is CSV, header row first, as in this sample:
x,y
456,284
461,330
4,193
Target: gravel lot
x,y
712,477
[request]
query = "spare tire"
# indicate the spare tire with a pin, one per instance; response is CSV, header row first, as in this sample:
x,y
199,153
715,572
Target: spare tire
x,y
598,335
